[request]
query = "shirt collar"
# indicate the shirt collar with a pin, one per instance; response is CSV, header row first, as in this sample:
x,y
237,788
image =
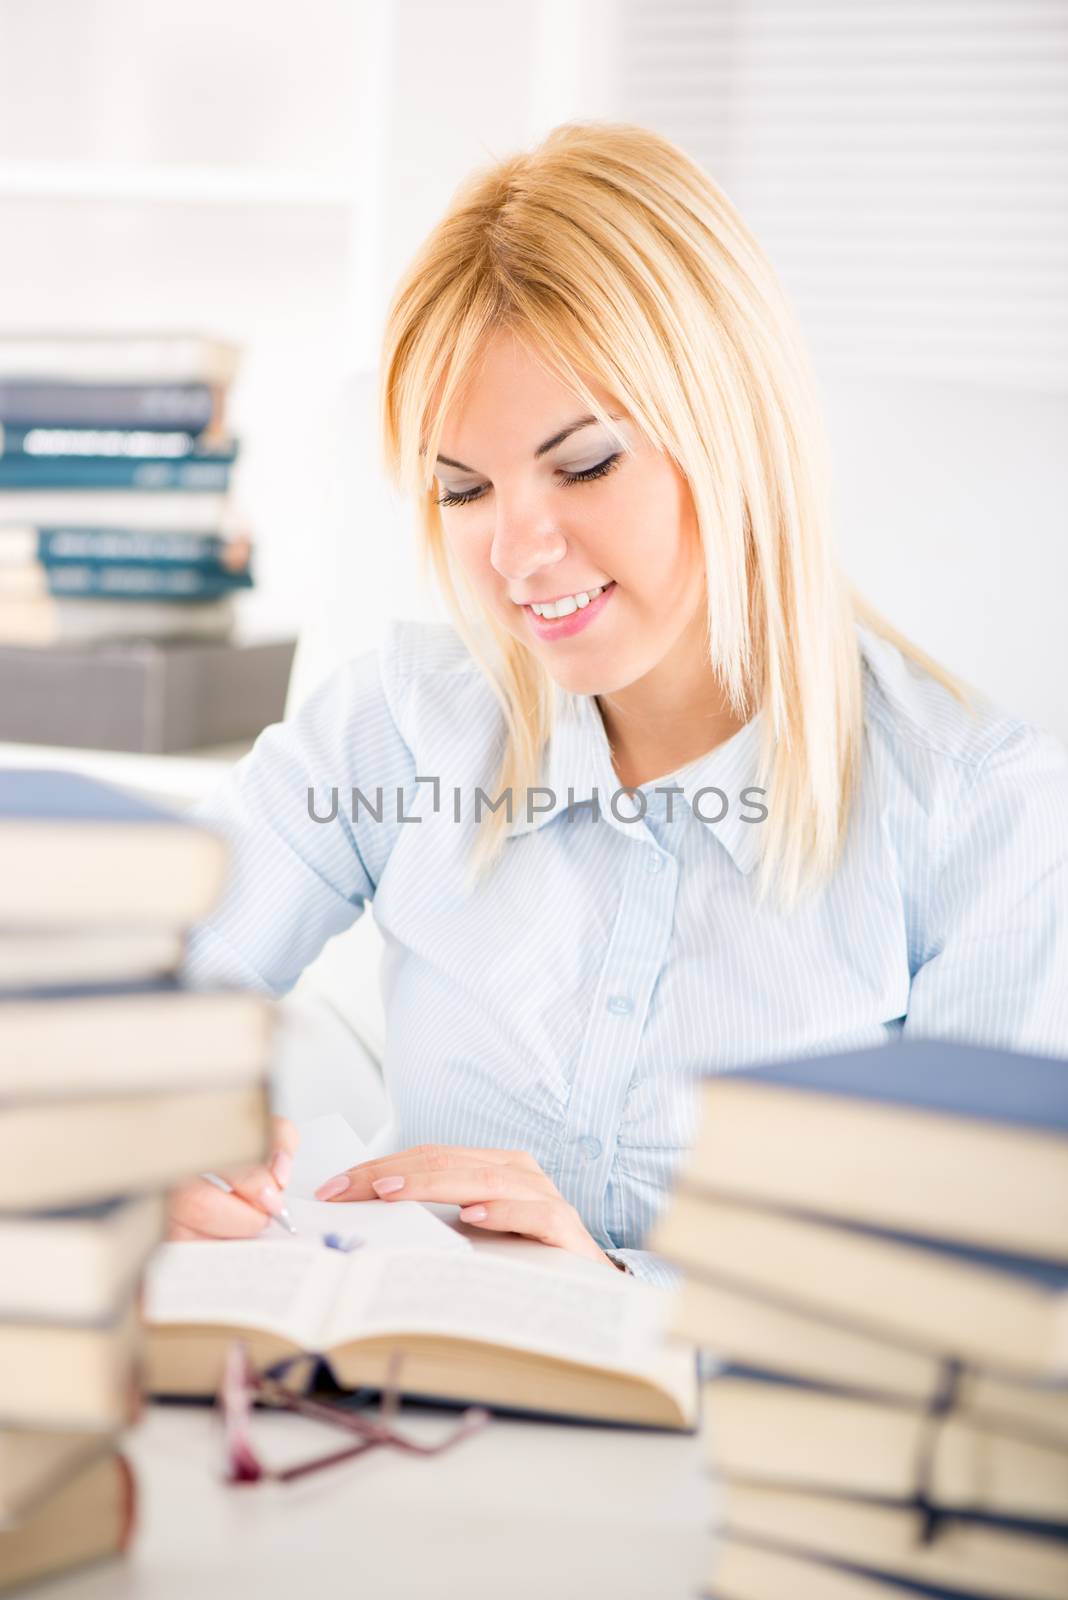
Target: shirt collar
x,y
579,758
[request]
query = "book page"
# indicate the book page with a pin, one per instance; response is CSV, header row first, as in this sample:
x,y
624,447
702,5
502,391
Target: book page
x,y
614,1323
283,1288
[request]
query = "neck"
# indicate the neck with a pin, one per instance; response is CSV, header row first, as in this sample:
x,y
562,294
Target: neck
x,y
669,717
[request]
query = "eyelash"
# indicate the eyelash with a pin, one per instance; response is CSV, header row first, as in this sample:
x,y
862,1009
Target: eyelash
x,y
448,498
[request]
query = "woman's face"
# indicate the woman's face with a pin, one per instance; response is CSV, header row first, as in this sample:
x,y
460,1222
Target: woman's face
x,y
536,509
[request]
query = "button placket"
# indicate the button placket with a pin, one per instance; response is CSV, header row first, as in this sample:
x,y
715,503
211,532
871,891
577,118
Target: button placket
x,y
636,953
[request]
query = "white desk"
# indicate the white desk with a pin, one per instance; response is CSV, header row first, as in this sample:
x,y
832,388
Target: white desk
x,y
524,1510
521,1510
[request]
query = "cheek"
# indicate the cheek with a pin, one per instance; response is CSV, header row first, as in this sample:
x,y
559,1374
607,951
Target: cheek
x,y
652,543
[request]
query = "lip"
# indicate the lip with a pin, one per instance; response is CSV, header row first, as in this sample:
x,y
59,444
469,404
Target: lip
x,y
565,627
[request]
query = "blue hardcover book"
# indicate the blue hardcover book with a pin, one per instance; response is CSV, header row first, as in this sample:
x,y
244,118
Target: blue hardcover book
x,y
203,473
144,580
50,444
46,402
936,1075
79,853
937,1138
131,545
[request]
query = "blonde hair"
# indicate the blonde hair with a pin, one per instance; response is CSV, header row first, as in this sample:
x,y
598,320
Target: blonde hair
x,y
612,253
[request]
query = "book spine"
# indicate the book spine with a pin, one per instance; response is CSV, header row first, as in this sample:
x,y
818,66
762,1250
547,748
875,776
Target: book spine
x,y
55,545
103,472
120,581
29,403
65,444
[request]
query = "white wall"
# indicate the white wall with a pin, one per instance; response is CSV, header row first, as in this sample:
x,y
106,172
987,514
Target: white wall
x,y
357,121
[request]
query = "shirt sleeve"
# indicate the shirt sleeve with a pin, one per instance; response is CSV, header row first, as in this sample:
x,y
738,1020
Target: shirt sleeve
x,y
995,959
304,859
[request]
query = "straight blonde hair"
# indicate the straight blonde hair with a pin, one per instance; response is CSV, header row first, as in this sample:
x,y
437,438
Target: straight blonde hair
x,y
611,253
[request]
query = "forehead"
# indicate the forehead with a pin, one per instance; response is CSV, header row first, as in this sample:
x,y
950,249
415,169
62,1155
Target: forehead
x,y
511,400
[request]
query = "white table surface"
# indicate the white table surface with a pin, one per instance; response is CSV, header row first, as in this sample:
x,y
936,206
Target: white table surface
x,y
523,1509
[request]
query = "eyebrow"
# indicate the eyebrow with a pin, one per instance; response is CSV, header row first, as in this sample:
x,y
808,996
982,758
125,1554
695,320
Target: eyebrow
x,y
543,449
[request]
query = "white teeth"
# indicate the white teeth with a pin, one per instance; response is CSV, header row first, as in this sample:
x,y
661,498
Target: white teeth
x,y
569,603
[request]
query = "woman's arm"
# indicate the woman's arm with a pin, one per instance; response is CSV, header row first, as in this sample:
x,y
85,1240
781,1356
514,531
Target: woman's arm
x,y
994,967
294,881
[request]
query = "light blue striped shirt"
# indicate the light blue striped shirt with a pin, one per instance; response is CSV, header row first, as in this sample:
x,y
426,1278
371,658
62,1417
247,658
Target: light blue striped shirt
x,y
567,1006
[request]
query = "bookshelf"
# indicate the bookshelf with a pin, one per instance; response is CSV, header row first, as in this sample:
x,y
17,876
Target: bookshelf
x,y
217,173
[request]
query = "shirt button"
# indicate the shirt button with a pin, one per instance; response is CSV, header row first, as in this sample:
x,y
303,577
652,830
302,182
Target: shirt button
x,y
654,861
620,1004
590,1146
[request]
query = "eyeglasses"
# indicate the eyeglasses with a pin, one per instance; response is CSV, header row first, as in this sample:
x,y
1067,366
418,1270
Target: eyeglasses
x,y
241,1385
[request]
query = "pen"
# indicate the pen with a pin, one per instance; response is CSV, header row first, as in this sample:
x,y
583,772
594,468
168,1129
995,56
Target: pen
x,y
281,1216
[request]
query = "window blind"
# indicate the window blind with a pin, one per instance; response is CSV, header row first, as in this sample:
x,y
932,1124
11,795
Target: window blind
x,y
904,163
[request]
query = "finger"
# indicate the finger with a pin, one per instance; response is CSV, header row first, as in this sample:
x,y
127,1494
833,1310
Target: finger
x,y
257,1185
212,1212
436,1158
459,1186
549,1221
284,1141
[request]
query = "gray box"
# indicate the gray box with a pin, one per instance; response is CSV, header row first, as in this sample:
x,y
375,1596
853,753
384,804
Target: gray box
x,y
154,697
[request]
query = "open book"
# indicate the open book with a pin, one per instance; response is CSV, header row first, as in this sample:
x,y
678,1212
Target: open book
x,y
472,1326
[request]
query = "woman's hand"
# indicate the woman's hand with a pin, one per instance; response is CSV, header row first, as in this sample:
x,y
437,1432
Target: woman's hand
x,y
201,1210
502,1190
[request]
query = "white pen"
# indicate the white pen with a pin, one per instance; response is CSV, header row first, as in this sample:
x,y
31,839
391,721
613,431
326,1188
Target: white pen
x,y
281,1216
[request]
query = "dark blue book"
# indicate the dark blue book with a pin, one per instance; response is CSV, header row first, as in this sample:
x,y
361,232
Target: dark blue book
x,y
935,1075
76,852
202,473
49,403
57,545
144,580
943,1139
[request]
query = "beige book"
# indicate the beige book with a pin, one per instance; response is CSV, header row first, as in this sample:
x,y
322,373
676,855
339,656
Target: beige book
x,y
749,1331
471,1327
978,1558
76,1264
71,1376
1000,1312
772,1432
70,1152
90,1517
101,955
117,1042
35,1462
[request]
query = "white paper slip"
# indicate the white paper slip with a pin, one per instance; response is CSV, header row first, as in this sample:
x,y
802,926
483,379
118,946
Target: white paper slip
x,y
327,1146
366,1225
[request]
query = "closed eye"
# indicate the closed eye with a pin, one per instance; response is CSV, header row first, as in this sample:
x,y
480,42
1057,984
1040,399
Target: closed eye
x,y
465,497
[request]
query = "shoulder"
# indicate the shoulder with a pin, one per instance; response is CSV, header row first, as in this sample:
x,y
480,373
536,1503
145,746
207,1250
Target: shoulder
x,y
958,767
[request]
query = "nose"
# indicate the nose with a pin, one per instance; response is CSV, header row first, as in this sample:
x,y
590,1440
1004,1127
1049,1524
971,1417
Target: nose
x,y
524,543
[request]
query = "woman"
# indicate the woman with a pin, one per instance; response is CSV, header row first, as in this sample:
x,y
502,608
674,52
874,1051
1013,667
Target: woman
x,y
593,387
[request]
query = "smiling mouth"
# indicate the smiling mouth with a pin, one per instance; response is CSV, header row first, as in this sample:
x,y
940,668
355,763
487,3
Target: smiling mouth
x,y
590,596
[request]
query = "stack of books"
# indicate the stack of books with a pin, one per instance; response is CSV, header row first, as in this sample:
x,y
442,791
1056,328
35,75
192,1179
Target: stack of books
x,y
116,1083
875,1250
115,464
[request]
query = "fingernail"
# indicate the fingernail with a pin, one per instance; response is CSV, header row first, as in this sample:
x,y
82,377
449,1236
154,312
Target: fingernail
x,y
332,1186
270,1199
387,1185
282,1167
472,1214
